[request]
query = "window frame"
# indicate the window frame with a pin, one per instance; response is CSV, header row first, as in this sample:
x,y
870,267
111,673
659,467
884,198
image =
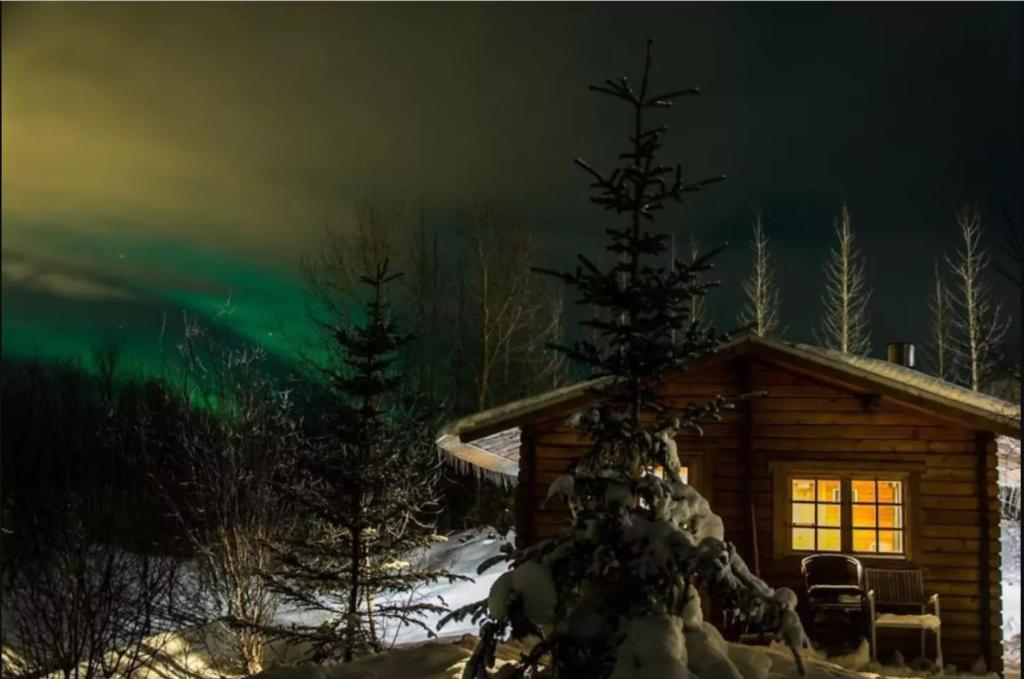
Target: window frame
x,y
783,474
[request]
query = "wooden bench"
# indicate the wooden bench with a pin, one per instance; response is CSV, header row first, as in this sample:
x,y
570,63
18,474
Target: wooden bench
x,y
900,595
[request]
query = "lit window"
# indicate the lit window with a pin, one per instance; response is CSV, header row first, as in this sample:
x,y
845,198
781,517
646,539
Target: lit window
x,y
816,515
684,473
863,515
877,516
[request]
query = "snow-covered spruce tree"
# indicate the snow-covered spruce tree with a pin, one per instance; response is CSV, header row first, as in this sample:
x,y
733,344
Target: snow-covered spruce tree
x,y
368,491
615,595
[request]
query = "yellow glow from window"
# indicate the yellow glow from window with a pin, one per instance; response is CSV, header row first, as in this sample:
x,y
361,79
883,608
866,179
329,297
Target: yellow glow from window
x,y
828,490
816,515
828,515
863,491
863,516
829,540
878,505
803,489
803,539
684,473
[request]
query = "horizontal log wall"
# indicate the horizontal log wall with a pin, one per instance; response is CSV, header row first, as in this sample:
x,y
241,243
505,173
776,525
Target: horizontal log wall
x,y
809,420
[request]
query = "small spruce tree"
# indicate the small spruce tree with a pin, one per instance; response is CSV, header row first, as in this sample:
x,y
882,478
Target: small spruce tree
x,y
615,594
369,490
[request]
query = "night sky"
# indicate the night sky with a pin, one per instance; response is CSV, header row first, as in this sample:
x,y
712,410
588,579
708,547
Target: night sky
x,y
163,157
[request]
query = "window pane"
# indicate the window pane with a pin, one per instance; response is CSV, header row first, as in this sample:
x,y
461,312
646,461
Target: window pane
x,y
864,516
890,517
864,541
803,539
890,491
684,473
803,513
803,489
890,541
863,491
828,491
828,515
829,540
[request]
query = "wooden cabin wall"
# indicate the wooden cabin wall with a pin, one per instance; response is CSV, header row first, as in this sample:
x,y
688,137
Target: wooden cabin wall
x,y
954,504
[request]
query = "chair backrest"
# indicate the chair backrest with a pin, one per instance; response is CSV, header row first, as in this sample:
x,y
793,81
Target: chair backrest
x,y
831,569
895,586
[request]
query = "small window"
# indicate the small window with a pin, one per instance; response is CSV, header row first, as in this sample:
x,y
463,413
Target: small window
x,y
877,516
852,513
684,473
816,508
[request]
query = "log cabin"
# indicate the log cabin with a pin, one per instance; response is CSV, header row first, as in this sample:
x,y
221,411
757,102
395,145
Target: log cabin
x,y
838,453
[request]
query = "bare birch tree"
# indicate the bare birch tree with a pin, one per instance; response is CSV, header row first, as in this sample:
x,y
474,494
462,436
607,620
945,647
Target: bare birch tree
x,y
940,344
844,325
231,431
512,314
979,322
761,311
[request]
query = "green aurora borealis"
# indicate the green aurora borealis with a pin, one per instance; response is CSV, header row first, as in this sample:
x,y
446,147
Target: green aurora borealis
x,y
161,158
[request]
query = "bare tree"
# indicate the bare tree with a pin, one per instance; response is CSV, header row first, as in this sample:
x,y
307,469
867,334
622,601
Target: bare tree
x,y
511,314
980,325
79,605
940,344
844,325
86,588
233,432
761,312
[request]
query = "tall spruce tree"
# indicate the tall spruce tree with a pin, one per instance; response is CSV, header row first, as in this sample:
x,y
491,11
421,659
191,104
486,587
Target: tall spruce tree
x,y
368,489
615,594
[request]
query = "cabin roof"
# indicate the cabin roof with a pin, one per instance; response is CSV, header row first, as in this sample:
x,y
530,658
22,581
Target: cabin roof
x,y
488,441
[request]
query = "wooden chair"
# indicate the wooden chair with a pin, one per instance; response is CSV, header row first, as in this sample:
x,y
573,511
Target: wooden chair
x,y
900,593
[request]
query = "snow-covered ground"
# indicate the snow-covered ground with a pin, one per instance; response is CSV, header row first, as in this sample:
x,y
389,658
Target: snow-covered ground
x,y
1011,534
186,654
459,554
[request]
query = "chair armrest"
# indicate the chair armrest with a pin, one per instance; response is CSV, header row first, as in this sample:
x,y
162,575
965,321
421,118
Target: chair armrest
x,y
933,600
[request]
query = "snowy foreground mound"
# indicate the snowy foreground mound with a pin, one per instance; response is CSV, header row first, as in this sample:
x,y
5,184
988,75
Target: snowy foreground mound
x,y
439,660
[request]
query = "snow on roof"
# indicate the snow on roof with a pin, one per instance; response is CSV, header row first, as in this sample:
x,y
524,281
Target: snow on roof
x,y
493,446
494,457
911,377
